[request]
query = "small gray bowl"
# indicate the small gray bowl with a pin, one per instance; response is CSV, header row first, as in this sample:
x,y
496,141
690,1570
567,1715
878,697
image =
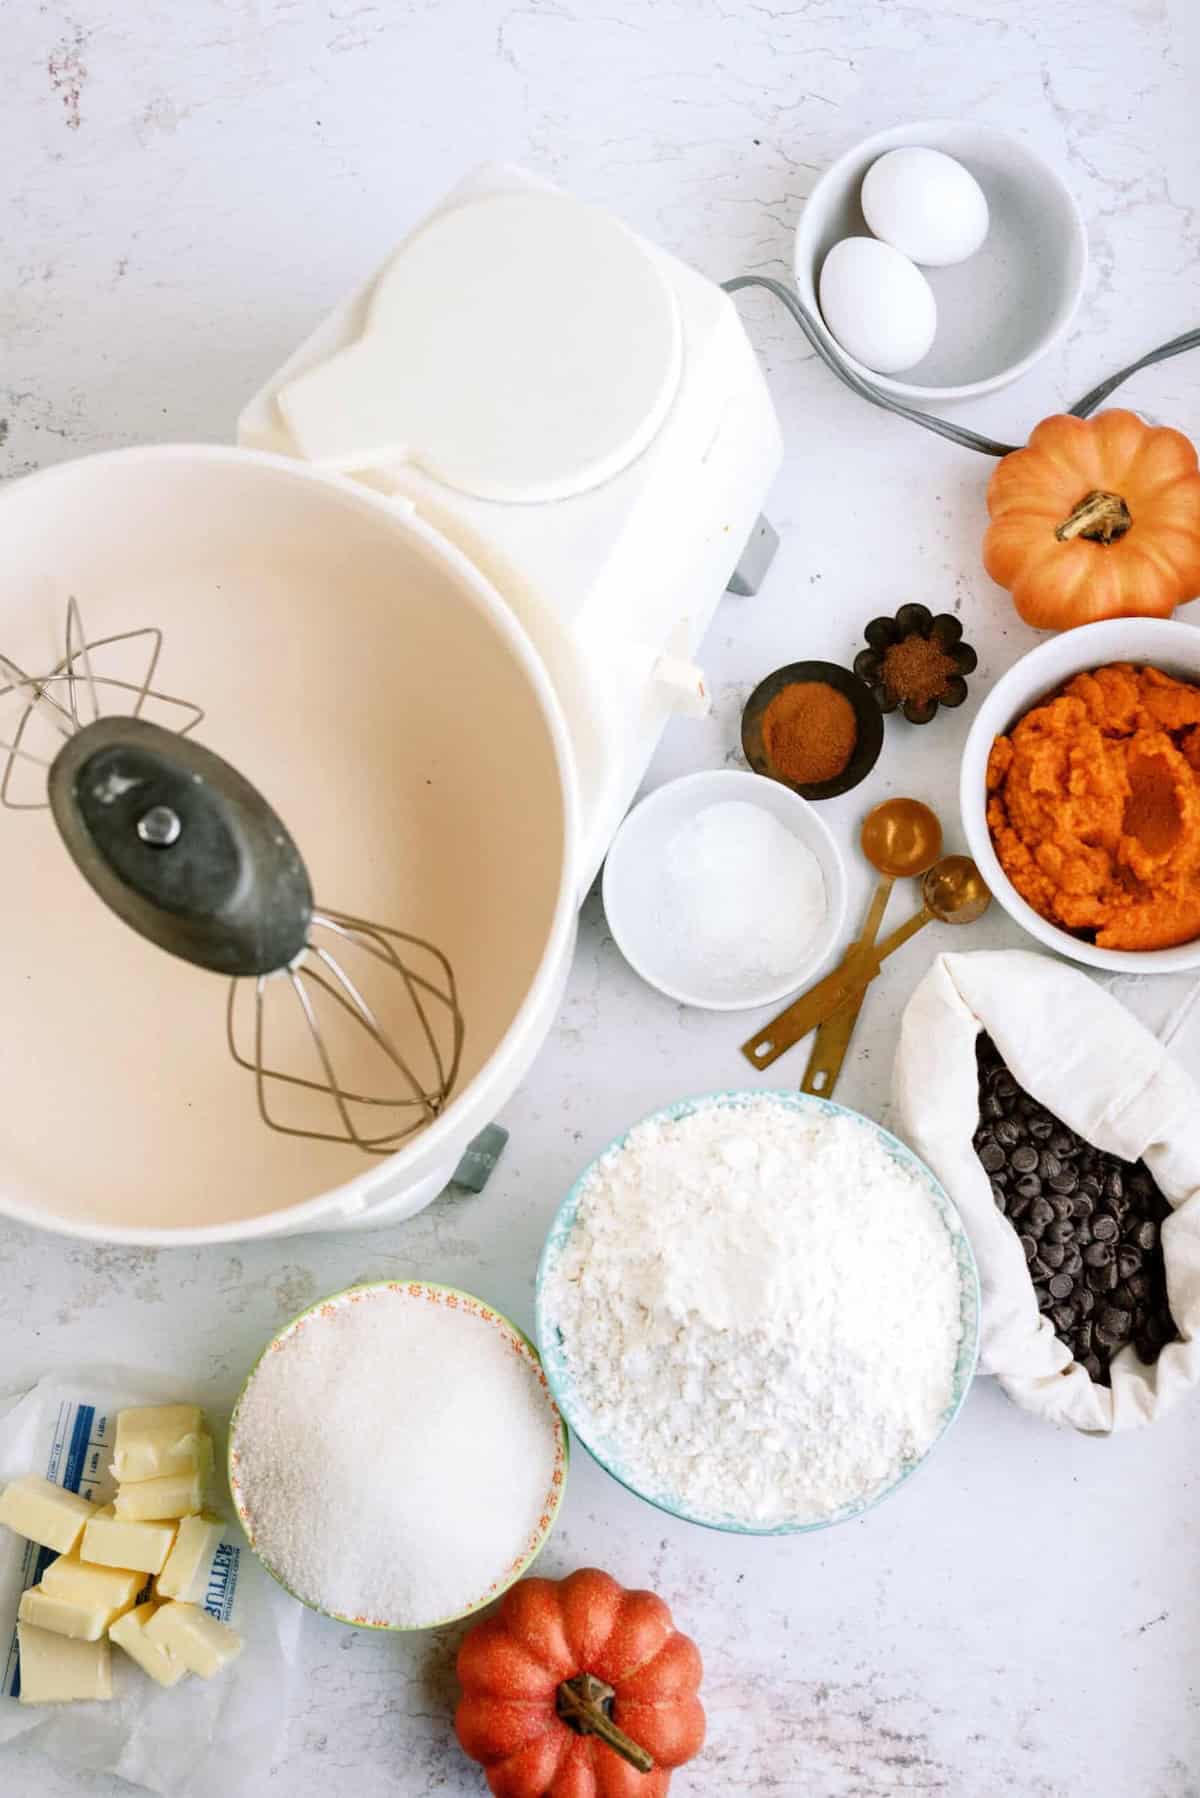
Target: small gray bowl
x,y
1002,309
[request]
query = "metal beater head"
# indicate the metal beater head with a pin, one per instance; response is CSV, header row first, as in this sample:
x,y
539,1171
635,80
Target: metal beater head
x,y
190,855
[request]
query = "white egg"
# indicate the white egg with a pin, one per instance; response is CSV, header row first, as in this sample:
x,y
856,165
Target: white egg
x,y
877,304
926,205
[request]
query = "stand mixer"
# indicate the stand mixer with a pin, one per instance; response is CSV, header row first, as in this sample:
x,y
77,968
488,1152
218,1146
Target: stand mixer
x,y
437,607
584,417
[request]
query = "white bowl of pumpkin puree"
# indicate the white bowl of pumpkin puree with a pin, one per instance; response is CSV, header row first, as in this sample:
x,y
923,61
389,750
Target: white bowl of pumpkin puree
x,y
1080,794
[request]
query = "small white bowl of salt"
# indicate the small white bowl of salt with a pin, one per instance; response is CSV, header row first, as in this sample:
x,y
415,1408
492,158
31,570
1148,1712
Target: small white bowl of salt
x,y
724,890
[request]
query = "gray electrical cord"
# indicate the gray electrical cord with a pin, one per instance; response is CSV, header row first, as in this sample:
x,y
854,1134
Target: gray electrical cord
x,y
966,439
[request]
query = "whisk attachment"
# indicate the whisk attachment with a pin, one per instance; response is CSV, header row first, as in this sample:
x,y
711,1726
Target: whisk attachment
x,y
76,691
352,1029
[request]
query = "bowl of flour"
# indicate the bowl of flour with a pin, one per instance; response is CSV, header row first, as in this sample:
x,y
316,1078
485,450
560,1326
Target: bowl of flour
x,y
759,1311
396,1457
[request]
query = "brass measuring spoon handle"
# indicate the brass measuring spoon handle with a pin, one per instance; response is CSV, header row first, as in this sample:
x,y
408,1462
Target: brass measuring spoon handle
x,y
833,1036
822,1000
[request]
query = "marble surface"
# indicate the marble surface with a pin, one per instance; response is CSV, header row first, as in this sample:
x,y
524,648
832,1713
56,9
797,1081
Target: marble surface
x,y
186,190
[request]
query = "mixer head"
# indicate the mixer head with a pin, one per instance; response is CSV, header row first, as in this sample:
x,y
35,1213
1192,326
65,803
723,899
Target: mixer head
x,y
190,855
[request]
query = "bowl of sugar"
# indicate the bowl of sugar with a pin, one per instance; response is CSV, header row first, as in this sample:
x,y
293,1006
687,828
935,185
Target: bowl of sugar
x,y
396,1457
724,891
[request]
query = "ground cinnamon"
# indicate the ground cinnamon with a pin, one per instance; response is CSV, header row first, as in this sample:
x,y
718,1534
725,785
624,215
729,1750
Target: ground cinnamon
x,y
809,732
917,669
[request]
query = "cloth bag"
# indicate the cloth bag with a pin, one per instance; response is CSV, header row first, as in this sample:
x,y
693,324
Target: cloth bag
x,y
1076,1049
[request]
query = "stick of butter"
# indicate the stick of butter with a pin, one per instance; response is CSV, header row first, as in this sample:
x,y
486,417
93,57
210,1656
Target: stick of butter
x,y
191,1557
201,1642
55,1669
156,1440
108,1542
129,1633
79,1601
45,1513
173,1495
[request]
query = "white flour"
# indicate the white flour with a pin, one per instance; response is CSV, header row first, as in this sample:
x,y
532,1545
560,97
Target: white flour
x,y
760,1310
394,1458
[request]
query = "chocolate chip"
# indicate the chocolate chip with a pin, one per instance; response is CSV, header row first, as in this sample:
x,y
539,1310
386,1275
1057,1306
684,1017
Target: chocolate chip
x,y
1114,1184
991,1108
1063,1143
1129,1260
1101,1279
1065,1181
1064,1318
1053,1254
1115,1320
1006,1086
1041,1128
1029,1246
1025,1159
1029,1186
1061,1285
1048,1164
1059,1231
1007,1134
1083,1202
991,1155
1083,1338
1105,1227
1073,1264
1139,1285
1146,1235
1041,1213
1097,1254
1085,1298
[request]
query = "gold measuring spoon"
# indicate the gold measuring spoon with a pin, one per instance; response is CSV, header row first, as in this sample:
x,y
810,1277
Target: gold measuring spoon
x,y
901,838
954,893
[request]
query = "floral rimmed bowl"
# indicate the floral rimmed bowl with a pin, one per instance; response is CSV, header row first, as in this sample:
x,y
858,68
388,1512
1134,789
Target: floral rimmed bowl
x,y
446,1299
573,1403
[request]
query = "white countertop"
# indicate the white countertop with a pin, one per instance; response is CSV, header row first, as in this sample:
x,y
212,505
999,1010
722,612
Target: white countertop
x,y
186,189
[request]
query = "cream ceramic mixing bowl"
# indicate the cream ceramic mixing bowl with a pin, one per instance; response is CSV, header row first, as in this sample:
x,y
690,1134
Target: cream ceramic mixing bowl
x,y
370,681
1001,309
1166,644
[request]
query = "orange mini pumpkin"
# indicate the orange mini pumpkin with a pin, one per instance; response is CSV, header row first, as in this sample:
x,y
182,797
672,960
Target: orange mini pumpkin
x,y
577,1688
1096,518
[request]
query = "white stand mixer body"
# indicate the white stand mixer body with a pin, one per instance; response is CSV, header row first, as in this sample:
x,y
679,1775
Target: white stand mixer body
x,y
633,477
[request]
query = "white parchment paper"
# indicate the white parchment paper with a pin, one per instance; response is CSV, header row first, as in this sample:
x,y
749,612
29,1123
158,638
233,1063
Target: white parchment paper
x,y
202,1738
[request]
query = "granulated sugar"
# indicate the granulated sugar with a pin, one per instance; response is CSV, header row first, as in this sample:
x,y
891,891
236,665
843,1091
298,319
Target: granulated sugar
x,y
760,1312
395,1456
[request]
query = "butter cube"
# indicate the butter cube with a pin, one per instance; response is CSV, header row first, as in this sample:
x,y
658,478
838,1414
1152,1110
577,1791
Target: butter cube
x,y
191,1557
107,1542
129,1633
156,1440
55,1669
72,1577
174,1495
45,1513
203,1644
79,1601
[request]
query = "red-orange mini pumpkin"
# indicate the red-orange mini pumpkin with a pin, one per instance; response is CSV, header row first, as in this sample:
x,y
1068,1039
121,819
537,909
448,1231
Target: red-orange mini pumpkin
x,y
1096,518
577,1688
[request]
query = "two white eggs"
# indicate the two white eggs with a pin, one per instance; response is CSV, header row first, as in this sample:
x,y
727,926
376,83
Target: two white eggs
x,y
924,207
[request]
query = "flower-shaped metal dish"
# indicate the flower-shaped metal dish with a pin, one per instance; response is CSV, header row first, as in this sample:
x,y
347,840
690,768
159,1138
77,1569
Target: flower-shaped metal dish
x,y
915,623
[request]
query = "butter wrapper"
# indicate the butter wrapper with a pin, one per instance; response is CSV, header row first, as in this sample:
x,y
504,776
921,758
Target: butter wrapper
x,y
202,1738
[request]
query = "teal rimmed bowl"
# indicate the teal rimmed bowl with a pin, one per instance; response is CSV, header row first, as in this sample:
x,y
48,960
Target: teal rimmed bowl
x,y
515,1340
574,1407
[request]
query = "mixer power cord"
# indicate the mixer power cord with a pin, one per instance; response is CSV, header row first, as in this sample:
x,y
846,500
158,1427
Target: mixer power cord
x,y
942,427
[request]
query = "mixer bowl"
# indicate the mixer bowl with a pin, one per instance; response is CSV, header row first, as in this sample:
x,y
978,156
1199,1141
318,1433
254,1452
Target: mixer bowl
x,y
371,682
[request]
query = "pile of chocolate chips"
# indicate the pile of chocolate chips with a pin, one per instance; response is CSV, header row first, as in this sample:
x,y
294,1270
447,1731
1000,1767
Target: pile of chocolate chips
x,y
1088,1223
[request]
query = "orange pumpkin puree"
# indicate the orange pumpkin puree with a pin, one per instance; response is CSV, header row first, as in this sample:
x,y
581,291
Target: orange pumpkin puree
x,y
1094,807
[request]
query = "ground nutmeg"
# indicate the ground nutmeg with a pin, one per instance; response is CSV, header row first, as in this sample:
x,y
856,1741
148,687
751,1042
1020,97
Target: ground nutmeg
x,y
809,732
917,669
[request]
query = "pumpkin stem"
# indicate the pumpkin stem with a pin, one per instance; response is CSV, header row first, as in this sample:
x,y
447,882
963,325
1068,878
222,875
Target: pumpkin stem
x,y
1100,517
582,1703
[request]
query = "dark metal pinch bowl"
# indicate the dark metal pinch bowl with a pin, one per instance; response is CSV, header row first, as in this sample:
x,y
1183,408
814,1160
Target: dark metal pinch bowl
x,y
867,716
